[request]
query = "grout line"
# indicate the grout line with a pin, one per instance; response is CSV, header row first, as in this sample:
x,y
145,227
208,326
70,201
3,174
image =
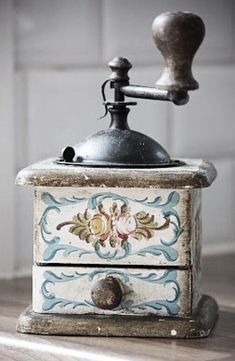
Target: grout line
x,y
25,115
213,249
212,158
21,99
101,64
100,31
229,156
170,128
20,105
7,143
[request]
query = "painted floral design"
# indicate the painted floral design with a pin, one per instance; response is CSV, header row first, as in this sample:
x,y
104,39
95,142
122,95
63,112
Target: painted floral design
x,y
114,226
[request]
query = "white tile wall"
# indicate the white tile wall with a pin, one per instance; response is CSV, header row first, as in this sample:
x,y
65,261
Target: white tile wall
x,y
21,120
23,222
206,126
64,107
149,116
7,150
23,230
218,208
127,28
57,32
60,52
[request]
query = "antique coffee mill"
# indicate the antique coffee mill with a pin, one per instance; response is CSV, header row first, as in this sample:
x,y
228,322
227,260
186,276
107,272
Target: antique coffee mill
x,y
117,221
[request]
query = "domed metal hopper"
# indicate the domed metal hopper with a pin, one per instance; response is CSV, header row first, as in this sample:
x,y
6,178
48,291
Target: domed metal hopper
x,y
117,146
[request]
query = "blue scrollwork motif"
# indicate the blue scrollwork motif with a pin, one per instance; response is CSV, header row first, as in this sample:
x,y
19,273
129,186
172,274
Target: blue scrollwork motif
x,y
165,248
168,277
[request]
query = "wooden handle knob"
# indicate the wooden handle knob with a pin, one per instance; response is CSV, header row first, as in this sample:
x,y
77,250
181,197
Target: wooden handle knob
x,y
106,293
178,35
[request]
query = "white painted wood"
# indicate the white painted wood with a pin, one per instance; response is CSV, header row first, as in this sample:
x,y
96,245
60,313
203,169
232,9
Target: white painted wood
x,y
7,150
68,290
113,226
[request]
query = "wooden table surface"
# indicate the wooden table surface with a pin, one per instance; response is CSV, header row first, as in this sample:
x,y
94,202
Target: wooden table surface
x,y
219,281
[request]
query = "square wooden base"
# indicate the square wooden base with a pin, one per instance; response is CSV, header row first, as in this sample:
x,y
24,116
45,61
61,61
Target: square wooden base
x,y
196,326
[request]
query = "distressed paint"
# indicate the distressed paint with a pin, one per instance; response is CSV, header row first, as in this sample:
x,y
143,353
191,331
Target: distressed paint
x,y
67,290
161,235
196,173
112,218
193,326
196,226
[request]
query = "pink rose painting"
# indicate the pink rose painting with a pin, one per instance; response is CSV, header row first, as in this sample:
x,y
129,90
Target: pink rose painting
x,y
115,226
125,224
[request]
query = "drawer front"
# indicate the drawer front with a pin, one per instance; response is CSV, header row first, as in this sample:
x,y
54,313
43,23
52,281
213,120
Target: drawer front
x,y
105,291
112,225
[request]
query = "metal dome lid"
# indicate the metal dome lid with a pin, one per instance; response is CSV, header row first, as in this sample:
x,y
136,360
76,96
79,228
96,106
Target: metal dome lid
x,y
117,146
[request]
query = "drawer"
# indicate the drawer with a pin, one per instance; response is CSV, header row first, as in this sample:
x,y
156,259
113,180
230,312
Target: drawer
x,y
108,291
125,226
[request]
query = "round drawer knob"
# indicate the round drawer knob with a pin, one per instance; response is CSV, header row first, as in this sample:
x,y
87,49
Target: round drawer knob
x,y
106,293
